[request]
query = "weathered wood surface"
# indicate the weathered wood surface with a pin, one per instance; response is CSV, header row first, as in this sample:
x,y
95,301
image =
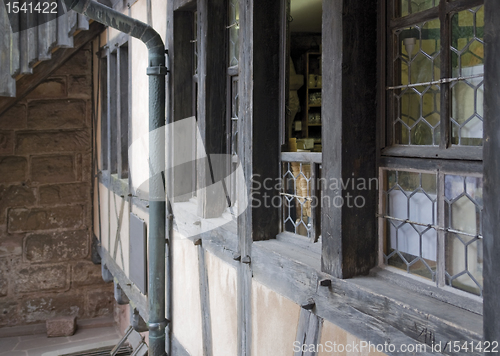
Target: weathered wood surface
x,y
123,112
349,234
491,217
466,153
373,303
47,39
184,5
137,299
8,84
426,164
44,69
64,40
181,52
212,84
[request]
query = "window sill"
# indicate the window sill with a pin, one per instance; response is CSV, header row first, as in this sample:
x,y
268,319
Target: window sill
x,y
388,310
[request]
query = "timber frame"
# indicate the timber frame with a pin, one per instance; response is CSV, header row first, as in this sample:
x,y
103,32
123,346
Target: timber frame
x,y
339,281
352,142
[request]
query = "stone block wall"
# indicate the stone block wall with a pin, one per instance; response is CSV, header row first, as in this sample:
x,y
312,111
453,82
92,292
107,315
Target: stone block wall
x,y
45,202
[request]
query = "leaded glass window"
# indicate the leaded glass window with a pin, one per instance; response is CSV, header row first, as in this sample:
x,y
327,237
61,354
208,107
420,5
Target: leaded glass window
x,y
431,167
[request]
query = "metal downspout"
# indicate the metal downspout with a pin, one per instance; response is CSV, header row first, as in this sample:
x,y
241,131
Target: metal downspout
x,y
156,72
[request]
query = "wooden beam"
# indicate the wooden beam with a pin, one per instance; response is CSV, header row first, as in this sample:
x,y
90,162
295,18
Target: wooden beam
x,y
349,147
212,85
181,78
42,71
206,324
491,194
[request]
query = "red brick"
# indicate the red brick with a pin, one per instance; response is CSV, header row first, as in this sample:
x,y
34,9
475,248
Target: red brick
x,y
65,193
53,87
100,301
14,118
79,64
57,114
10,244
35,219
57,246
13,169
86,273
80,86
42,307
47,142
61,326
4,277
41,278
52,169
6,142
15,196
9,312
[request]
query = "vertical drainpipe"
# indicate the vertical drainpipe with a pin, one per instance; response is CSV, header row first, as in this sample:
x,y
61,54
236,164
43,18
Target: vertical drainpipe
x,y
156,72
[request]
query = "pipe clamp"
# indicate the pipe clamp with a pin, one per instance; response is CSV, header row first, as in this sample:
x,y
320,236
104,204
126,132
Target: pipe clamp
x,y
159,70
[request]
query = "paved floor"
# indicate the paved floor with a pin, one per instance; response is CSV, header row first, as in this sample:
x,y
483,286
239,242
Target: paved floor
x,y
41,345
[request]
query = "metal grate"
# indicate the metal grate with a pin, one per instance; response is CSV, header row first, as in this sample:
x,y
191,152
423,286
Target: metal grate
x,y
102,351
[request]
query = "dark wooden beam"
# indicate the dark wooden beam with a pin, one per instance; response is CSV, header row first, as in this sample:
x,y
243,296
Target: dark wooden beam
x,y
349,230
181,53
491,194
212,85
42,71
184,5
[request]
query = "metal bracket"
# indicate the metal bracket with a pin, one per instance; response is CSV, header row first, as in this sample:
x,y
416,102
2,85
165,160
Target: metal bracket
x,y
159,70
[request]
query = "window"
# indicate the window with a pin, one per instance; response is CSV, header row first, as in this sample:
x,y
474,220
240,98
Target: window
x,y
232,99
431,210
114,99
302,126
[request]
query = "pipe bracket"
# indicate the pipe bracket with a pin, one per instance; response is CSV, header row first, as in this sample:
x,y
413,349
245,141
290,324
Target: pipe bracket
x,y
158,326
158,70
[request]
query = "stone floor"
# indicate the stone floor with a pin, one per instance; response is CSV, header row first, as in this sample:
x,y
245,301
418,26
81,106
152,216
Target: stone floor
x,y
41,345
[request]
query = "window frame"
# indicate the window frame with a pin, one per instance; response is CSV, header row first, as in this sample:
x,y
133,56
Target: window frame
x,y
115,99
442,160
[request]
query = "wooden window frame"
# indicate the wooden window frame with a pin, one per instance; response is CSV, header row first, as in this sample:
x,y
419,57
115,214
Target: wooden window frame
x,y
443,160
115,98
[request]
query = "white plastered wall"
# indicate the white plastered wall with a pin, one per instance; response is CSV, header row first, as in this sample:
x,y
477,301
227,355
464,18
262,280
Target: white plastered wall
x,y
274,322
186,317
331,334
222,287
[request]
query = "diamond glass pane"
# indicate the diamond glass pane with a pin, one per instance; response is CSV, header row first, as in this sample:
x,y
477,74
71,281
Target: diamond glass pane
x,y
467,51
234,18
410,215
464,245
297,198
407,7
418,105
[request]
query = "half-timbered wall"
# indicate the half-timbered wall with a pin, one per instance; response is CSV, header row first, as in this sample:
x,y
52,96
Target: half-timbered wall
x,y
238,286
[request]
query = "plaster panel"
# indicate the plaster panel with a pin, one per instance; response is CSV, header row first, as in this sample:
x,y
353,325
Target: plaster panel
x,y
331,334
222,287
104,219
118,217
160,17
186,294
274,322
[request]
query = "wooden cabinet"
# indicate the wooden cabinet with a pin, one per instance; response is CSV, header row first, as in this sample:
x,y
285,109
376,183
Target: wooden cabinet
x,y
311,119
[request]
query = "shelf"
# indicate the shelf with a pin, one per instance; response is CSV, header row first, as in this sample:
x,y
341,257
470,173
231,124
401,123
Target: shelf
x,y
313,107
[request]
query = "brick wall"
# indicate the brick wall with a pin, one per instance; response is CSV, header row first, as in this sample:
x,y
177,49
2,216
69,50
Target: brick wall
x,y
45,202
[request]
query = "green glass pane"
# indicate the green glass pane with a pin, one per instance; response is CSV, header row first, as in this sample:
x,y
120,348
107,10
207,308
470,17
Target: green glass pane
x,y
234,18
409,181
407,7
